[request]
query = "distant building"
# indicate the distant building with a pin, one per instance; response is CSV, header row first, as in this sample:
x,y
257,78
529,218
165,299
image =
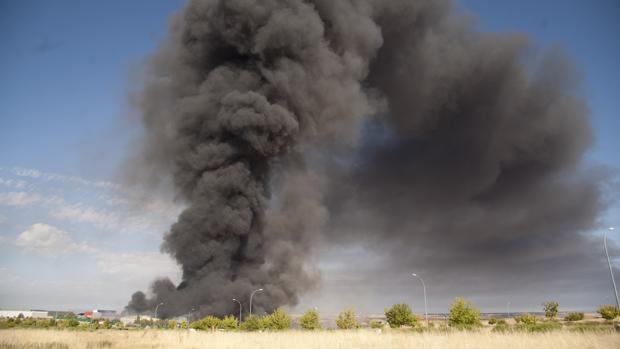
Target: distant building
x,y
103,314
36,314
130,319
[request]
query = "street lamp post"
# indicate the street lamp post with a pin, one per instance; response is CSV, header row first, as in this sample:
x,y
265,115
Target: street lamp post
x,y
234,300
508,309
189,318
424,288
611,271
157,307
252,295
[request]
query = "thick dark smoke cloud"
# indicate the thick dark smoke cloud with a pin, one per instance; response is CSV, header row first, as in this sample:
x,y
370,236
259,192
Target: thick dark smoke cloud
x,y
288,124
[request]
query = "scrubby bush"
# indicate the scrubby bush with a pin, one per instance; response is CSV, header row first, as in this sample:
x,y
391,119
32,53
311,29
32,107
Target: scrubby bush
x,y
400,315
310,320
574,316
591,326
207,323
376,324
252,323
526,318
492,321
347,320
539,327
172,324
277,321
501,328
608,312
229,323
463,314
551,309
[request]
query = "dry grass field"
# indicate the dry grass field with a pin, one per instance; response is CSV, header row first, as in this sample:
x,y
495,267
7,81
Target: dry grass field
x,y
54,339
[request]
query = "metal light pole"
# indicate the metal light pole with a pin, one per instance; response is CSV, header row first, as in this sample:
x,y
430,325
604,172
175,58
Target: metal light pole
x,y
508,309
189,319
252,295
611,271
234,300
424,288
162,303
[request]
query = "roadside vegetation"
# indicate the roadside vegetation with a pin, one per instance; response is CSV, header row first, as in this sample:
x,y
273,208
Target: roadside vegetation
x,y
463,316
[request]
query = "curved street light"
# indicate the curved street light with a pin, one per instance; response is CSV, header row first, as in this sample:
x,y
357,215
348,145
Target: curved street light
x,y
240,307
611,271
252,295
157,307
424,288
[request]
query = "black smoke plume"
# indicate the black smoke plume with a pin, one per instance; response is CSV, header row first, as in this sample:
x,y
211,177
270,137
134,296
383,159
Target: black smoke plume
x,y
398,118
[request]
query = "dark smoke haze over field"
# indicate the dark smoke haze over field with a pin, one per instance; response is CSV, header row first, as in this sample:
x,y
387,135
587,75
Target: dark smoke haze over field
x,y
289,125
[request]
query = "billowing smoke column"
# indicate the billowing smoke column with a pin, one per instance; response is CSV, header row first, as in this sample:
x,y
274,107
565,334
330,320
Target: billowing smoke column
x,y
231,96
430,132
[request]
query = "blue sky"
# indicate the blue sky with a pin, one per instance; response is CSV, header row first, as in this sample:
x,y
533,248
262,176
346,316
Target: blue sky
x,y
66,69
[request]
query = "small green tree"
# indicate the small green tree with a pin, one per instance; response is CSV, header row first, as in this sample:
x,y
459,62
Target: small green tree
x,y
463,314
347,320
551,309
252,323
400,315
492,321
608,312
229,323
278,320
184,324
172,324
310,320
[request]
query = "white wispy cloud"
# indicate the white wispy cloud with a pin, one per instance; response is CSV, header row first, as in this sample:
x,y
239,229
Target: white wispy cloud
x,y
19,198
84,214
13,183
47,240
34,173
143,265
115,208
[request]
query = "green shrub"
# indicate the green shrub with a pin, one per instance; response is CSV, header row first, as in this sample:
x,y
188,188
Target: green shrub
x,y
347,320
574,316
608,312
277,321
172,324
591,326
252,323
539,327
526,318
376,324
207,323
229,323
501,322
551,309
501,328
463,314
492,321
310,320
400,315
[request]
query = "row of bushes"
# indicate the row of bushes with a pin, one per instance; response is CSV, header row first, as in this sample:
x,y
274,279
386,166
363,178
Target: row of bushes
x,y
462,316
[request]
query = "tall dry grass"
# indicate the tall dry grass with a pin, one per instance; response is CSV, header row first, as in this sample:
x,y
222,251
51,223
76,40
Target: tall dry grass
x,y
54,339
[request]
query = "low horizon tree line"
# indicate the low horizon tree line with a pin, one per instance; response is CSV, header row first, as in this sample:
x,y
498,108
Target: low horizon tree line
x,y
462,316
